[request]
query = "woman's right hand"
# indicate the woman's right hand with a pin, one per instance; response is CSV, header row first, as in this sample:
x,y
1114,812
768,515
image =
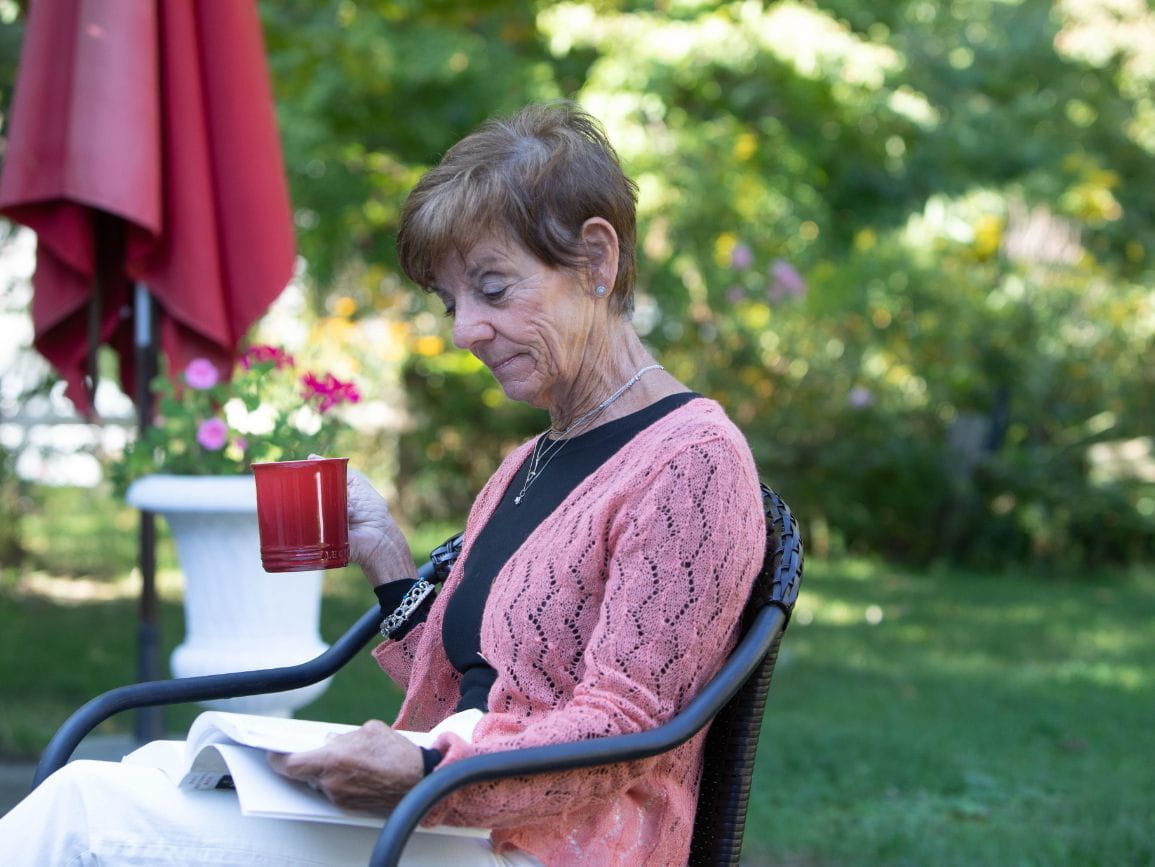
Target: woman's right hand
x,y
376,543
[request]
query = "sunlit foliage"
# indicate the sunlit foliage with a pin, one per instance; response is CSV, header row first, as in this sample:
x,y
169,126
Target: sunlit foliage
x,y
908,245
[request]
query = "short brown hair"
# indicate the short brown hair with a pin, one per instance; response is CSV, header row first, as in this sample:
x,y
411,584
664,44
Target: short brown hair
x,y
536,176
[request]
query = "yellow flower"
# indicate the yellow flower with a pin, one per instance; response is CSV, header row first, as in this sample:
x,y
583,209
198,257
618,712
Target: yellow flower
x,y
988,235
745,146
724,247
865,239
428,345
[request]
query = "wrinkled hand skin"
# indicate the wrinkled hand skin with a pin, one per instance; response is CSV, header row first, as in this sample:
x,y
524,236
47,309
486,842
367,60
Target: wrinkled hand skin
x,y
376,543
368,769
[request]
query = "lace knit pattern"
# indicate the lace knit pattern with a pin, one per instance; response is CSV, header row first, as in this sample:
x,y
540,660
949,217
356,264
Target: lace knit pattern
x,y
610,617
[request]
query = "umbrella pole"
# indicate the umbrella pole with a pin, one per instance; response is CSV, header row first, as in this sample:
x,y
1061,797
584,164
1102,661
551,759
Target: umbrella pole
x,y
149,720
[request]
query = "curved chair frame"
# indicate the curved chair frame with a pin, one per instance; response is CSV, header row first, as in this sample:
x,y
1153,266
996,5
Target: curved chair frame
x,y
734,700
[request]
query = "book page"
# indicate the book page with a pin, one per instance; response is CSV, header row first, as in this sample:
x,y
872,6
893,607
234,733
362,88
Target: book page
x,y
265,732
207,771
228,751
265,793
276,734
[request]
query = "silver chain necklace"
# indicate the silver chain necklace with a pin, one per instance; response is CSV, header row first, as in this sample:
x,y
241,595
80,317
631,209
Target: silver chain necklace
x,y
542,455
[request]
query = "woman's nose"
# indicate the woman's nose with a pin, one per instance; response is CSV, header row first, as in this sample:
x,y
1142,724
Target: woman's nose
x,y
469,327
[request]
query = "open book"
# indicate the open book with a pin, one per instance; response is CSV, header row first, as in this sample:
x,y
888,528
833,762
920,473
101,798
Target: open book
x,y
227,751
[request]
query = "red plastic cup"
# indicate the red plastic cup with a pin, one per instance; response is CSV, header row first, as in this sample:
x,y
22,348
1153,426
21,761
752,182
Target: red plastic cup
x,y
302,510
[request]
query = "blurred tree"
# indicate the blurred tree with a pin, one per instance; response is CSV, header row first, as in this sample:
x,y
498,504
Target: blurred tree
x,y
370,93
11,34
907,245
948,181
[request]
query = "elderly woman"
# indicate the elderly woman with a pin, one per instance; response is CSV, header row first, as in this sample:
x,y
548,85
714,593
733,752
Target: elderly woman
x,y
605,564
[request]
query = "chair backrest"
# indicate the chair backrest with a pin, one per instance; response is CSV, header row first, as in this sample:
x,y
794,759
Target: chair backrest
x,y
732,741
732,701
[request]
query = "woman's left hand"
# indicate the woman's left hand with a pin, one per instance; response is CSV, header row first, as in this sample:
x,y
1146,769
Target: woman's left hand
x,y
369,769
376,543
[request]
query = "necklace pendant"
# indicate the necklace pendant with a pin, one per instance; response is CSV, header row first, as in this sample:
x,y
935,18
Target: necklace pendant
x,y
544,450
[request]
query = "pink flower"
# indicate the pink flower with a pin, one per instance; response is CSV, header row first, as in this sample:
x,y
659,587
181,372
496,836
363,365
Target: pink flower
x,y
263,354
330,390
201,374
213,434
741,257
787,282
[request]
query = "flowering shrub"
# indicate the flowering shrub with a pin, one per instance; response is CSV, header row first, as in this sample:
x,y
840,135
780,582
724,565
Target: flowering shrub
x,y
268,411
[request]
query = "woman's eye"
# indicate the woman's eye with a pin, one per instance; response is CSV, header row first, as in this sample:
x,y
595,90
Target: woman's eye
x,y
493,292
449,311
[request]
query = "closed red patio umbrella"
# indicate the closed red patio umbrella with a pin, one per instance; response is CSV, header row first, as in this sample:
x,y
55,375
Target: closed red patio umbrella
x,y
143,150
152,123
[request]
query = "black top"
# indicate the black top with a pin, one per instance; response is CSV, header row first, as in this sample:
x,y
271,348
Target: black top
x,y
508,527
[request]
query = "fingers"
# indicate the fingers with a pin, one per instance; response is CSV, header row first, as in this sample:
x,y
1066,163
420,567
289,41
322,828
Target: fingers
x,y
352,473
277,761
339,748
309,763
306,766
369,768
361,490
376,542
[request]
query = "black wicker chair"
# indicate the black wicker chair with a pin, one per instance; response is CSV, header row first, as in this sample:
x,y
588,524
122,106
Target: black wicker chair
x,y
734,700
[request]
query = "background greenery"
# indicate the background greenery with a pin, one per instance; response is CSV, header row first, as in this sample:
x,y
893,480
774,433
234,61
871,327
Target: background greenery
x,y
908,245
960,189
963,187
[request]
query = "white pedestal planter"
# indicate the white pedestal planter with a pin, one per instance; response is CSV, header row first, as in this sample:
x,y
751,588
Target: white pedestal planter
x,y
238,617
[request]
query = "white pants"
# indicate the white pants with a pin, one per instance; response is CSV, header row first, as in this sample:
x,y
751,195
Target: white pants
x,y
108,813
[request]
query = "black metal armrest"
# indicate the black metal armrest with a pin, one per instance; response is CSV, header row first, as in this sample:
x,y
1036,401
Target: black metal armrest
x,y
764,631
206,687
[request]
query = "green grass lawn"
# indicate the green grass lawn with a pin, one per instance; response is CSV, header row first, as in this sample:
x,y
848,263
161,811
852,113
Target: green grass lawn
x,y
55,655
921,719
960,719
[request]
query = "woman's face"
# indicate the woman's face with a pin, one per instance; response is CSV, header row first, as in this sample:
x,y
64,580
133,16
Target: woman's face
x,y
529,323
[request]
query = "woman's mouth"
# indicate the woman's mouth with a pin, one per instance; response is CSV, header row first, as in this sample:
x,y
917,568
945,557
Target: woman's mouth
x,y
501,365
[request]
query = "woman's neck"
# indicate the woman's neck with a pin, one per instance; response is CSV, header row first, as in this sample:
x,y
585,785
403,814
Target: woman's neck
x,y
627,376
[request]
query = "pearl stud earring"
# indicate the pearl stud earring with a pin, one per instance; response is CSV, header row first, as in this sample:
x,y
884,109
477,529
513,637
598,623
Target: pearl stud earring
x,y
600,290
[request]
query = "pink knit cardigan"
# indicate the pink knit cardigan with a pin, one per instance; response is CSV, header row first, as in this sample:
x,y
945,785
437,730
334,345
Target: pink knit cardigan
x,y
608,619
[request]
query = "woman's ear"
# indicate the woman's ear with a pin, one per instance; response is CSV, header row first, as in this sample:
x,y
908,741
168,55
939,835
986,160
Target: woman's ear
x,y
601,249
